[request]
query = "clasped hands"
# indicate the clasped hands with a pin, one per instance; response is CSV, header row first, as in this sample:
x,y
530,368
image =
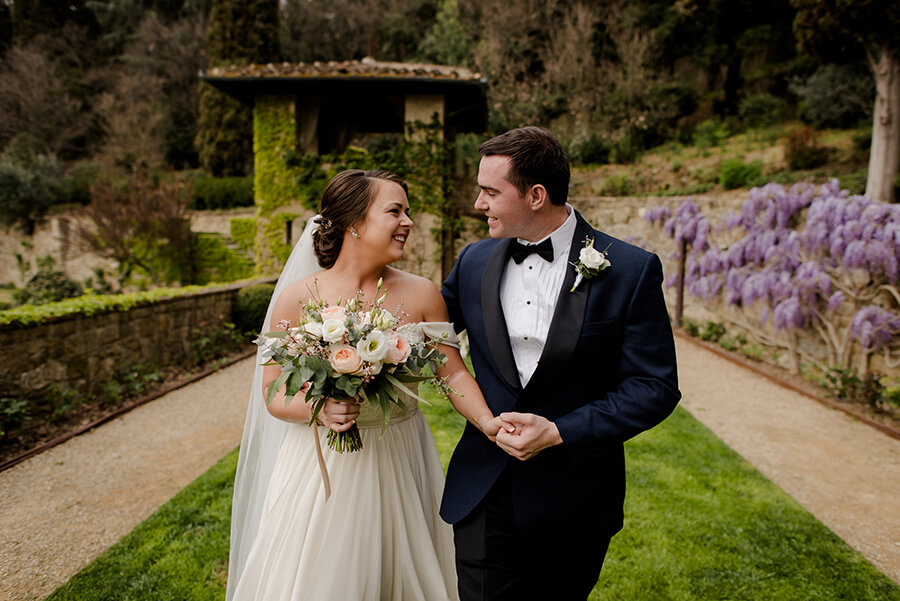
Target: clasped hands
x,y
339,415
522,435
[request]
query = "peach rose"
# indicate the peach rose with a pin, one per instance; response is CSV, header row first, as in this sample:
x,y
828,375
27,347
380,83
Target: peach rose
x,y
336,312
344,359
398,349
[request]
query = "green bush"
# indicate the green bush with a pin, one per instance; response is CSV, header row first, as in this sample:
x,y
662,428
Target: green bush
x,y
250,306
803,150
590,150
78,181
222,193
835,96
735,173
709,133
617,185
13,413
28,190
47,286
761,110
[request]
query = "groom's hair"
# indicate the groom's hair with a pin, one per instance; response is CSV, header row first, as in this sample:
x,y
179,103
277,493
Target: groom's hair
x,y
535,157
345,202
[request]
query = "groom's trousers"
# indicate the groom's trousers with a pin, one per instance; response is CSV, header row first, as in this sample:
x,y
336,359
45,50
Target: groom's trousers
x,y
497,561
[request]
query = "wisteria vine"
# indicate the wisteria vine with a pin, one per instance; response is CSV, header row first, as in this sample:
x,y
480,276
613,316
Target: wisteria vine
x,y
807,258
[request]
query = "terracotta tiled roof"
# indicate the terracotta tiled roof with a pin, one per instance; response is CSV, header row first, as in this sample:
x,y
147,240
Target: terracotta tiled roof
x,y
367,67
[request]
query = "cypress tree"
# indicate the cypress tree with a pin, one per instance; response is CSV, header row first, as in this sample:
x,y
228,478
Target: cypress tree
x,y
239,32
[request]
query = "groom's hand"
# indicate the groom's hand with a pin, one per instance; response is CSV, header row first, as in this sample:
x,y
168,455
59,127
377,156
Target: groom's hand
x,y
492,425
533,434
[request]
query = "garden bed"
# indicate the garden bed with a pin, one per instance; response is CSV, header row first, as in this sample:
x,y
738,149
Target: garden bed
x,y
37,435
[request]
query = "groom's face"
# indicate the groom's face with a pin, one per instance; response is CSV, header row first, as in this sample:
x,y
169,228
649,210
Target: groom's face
x,y
504,206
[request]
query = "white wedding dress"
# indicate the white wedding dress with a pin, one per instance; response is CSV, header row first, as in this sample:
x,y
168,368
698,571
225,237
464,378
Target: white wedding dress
x,y
377,538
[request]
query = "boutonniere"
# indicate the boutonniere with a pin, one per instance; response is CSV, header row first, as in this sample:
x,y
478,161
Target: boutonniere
x,y
590,262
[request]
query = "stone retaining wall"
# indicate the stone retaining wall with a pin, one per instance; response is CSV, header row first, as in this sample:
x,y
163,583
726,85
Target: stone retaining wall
x,y
81,351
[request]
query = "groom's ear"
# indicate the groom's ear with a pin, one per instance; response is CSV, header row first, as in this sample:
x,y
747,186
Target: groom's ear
x,y
537,197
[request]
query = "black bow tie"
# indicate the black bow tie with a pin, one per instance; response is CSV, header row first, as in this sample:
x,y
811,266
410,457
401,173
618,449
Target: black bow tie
x,y
519,251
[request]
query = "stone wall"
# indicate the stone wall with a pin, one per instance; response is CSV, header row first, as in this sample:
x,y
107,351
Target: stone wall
x,y
81,351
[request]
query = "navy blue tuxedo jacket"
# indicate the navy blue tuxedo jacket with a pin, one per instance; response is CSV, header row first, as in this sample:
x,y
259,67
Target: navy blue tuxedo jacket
x,y
607,373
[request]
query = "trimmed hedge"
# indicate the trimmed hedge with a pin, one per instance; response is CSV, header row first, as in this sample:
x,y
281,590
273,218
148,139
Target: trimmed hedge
x,y
89,304
222,193
250,306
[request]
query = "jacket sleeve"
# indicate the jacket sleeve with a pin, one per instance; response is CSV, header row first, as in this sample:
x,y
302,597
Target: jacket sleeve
x,y
647,388
450,292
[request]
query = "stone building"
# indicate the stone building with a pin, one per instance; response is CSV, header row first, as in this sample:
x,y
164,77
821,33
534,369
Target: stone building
x,y
323,107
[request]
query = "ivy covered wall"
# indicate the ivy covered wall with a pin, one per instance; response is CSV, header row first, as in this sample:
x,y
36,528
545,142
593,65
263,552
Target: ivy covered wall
x,y
275,183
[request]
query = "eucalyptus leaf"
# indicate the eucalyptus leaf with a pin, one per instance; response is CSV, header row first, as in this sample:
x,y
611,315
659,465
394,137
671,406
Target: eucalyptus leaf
x,y
275,386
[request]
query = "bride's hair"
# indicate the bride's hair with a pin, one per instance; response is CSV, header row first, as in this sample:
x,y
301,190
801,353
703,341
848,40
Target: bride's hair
x,y
344,204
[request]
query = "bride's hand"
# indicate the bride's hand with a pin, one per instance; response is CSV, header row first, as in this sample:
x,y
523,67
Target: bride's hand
x,y
338,415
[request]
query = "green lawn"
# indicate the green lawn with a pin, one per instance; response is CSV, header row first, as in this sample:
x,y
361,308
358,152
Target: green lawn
x,y
701,524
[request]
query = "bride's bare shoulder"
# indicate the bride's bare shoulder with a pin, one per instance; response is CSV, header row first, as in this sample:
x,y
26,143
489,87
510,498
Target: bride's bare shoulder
x,y
300,291
420,295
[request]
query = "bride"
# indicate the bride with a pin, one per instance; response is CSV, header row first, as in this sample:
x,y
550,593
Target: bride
x,y
378,536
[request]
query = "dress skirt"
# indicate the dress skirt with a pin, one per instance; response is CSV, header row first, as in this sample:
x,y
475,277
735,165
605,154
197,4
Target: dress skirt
x,y
377,538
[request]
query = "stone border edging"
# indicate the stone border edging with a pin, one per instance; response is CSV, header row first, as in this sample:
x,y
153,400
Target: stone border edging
x,y
746,363
122,410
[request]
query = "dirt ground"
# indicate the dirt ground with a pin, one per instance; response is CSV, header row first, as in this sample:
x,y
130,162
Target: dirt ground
x,y
63,508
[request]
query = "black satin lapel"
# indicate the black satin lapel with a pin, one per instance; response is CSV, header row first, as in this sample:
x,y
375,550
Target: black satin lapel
x,y
568,317
492,312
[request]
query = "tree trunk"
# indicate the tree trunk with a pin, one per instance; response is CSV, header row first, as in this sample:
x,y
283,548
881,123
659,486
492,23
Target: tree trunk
x,y
884,155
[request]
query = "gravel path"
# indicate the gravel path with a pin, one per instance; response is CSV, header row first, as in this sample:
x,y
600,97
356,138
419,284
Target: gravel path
x,y
63,508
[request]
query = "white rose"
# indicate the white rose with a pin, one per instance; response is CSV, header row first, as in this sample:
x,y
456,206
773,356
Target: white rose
x,y
373,347
591,258
314,328
333,330
412,332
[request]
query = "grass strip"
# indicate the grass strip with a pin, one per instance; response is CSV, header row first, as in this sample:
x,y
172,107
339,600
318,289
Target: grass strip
x,y
701,524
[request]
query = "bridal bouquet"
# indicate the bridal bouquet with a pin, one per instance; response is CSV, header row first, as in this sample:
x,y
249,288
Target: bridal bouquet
x,y
350,351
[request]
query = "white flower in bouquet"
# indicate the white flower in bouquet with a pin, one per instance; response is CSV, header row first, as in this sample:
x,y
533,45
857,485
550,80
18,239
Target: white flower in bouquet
x,y
373,347
333,330
313,328
412,332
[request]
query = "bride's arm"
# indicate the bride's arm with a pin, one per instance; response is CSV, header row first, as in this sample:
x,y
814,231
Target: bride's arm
x,y
466,396
335,415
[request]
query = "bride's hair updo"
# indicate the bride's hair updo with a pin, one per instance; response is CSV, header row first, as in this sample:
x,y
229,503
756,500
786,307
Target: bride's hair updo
x,y
344,204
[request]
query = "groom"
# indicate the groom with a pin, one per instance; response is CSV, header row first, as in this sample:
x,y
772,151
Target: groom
x,y
577,369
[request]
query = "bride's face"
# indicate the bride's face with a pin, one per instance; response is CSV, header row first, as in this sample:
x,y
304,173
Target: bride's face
x,y
387,224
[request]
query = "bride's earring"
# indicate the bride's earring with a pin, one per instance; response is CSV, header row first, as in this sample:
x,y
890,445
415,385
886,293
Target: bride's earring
x,y
354,233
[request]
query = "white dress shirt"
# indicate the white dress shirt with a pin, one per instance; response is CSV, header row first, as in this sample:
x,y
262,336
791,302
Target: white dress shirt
x,y
528,294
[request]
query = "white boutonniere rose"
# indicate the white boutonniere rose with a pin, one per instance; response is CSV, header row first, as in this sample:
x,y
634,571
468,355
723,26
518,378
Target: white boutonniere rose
x,y
590,262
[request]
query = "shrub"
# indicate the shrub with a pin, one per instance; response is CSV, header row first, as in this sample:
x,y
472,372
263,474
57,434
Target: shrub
x,y
47,286
709,133
28,190
803,150
13,413
250,306
222,193
78,181
835,96
617,185
735,173
590,150
761,110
